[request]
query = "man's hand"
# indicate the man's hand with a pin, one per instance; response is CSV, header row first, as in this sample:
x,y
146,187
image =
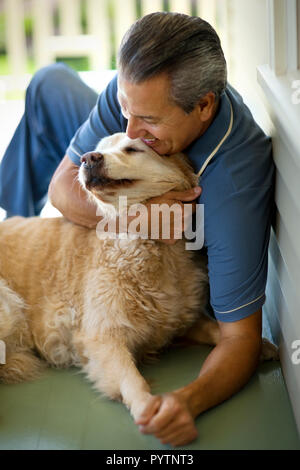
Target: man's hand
x,y
170,198
169,418
226,370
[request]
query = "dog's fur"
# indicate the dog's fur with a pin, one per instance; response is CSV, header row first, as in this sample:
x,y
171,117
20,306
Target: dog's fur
x,y
68,298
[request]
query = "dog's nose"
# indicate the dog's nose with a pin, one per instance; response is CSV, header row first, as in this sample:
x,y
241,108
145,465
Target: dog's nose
x,y
91,160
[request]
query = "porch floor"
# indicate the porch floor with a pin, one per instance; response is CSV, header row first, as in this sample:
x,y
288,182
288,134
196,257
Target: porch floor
x,y
61,411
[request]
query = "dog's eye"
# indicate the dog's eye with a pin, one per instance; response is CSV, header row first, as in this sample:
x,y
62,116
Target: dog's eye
x,y
132,149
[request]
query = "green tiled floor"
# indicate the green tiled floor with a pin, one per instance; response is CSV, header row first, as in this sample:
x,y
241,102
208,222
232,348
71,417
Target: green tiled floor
x,y
61,411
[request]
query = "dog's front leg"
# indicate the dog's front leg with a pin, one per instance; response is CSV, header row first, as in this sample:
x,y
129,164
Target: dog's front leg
x,y
112,368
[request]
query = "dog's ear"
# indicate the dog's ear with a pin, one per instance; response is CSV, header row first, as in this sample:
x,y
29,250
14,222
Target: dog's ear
x,y
182,162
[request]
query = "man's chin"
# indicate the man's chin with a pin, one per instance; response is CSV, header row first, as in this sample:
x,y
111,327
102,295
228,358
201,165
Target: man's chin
x,y
161,149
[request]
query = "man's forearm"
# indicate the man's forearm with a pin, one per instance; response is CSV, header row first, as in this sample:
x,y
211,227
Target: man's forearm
x,y
73,204
226,370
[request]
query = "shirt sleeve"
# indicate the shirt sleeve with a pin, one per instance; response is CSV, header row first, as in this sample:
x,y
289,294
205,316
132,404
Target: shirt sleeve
x,y
105,119
237,232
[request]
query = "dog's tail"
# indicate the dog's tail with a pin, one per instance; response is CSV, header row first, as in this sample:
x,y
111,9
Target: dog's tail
x,y
17,360
21,366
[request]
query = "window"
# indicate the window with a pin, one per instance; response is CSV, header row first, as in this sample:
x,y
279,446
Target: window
x,y
280,78
298,31
284,34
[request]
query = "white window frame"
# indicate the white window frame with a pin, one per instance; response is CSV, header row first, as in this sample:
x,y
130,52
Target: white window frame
x,y
283,37
298,31
280,78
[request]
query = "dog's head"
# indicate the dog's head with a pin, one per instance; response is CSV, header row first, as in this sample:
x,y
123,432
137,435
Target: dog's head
x,y
120,166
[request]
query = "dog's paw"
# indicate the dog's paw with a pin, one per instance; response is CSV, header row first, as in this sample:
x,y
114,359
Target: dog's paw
x,y
269,351
137,409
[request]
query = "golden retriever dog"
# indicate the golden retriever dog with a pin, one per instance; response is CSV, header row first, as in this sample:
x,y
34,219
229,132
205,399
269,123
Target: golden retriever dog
x,y
69,298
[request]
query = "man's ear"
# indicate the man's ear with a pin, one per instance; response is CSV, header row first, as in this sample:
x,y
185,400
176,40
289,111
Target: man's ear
x,y
207,106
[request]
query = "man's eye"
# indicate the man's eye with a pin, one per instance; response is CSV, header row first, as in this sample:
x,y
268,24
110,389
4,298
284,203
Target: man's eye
x,y
151,123
132,149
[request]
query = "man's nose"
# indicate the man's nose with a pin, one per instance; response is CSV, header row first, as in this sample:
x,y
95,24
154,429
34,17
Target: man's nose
x,y
91,160
134,128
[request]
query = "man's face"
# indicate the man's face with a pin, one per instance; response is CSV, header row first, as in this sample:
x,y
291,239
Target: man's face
x,y
161,124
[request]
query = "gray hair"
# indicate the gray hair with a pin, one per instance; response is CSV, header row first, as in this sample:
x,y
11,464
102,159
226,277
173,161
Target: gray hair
x,y
187,48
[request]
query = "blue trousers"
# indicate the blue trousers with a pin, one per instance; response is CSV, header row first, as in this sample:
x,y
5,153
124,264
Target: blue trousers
x,y
57,102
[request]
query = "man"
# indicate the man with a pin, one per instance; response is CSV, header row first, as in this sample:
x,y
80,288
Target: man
x,y
172,92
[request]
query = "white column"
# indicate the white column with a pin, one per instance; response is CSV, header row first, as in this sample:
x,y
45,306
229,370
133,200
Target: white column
x,y
181,6
98,28
70,17
125,15
42,30
15,35
151,6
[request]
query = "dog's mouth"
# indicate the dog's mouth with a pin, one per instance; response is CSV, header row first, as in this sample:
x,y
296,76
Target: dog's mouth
x,y
101,182
94,174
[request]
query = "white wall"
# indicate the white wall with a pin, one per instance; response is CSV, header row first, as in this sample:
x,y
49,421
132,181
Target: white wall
x,y
251,44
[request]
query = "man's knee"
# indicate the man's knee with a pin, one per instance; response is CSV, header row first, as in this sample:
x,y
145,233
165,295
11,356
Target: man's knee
x,y
54,76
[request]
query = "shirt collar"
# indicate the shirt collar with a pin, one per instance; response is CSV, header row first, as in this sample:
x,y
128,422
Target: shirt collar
x,y
202,148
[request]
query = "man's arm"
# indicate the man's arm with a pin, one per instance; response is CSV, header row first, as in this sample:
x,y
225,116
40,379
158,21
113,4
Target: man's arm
x,y
67,195
226,370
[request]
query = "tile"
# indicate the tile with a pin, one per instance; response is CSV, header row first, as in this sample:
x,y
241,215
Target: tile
x,y
62,411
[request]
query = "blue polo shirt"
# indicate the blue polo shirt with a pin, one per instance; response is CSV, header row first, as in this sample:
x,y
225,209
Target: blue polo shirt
x,y
237,193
